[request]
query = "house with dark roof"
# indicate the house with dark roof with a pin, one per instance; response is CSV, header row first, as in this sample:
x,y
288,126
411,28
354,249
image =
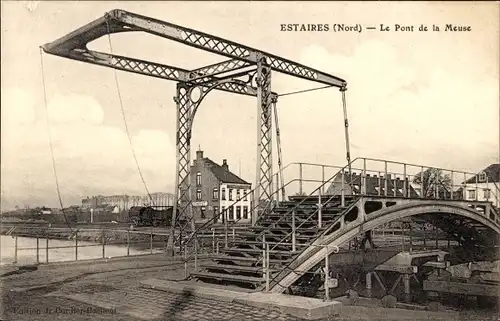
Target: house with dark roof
x,y
215,188
484,186
375,185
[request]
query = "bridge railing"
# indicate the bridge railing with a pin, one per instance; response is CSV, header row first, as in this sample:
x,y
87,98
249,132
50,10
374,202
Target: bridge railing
x,y
392,179
42,245
363,176
379,177
298,178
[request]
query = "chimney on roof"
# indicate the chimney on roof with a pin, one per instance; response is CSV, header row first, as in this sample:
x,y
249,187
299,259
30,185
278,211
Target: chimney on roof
x,y
199,154
224,164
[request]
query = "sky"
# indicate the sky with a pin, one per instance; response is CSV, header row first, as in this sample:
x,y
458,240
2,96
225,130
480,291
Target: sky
x,y
428,98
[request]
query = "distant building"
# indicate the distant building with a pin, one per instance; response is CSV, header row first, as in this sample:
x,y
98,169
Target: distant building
x,y
125,202
484,186
214,188
375,185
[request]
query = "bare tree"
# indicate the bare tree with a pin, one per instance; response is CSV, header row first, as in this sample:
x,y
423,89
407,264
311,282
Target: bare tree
x,y
435,182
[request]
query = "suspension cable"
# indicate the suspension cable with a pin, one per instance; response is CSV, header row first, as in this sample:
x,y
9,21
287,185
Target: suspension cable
x,y
278,145
125,120
50,142
346,126
303,91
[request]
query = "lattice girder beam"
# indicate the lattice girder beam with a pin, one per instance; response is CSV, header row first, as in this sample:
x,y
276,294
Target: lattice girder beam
x,y
263,190
217,69
117,21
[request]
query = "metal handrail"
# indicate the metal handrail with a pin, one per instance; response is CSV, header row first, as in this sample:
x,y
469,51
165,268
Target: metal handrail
x,y
223,212
301,202
204,225
317,210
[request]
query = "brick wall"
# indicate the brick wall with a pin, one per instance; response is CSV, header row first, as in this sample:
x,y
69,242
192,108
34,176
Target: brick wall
x,y
208,182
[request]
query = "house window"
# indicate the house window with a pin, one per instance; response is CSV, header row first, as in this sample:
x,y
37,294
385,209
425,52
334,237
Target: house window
x,y
216,213
238,212
198,195
231,213
245,212
203,212
482,177
230,194
223,192
215,193
223,214
237,194
245,195
198,179
487,193
472,194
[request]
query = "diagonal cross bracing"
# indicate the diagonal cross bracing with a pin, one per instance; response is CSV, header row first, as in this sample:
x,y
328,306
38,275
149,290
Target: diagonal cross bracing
x,y
241,57
122,21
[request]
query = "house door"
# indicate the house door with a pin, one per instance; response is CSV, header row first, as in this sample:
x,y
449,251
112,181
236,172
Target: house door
x,y
216,214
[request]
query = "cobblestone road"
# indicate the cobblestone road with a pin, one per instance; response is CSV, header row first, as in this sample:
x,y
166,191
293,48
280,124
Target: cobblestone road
x,y
105,293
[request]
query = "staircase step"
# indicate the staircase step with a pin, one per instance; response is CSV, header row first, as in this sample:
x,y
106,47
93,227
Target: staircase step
x,y
248,259
259,243
230,277
258,251
287,229
213,265
252,237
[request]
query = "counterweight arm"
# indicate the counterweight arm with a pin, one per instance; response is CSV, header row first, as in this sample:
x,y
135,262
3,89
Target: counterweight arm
x,y
117,21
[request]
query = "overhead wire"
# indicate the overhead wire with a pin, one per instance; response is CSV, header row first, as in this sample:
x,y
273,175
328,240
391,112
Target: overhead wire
x,y
304,91
125,120
50,141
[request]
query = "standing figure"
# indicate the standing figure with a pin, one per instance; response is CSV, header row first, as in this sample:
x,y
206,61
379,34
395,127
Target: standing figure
x,y
367,237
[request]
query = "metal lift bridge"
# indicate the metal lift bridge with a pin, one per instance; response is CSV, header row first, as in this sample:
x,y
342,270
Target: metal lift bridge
x,y
247,72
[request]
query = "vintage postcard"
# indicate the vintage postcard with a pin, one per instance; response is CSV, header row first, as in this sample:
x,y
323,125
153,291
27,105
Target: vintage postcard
x,y
250,160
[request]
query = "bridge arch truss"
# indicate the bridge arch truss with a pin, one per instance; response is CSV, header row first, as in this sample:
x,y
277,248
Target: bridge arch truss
x,y
473,229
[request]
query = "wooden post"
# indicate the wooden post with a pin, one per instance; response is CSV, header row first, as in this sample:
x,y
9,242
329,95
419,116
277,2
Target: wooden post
x,y
15,249
411,239
37,250
185,261
264,256
47,249
385,178
103,244
342,192
128,242
213,240
226,216
327,275
369,284
436,234
405,186
267,267
320,205
422,192
196,254
76,245
151,242
293,231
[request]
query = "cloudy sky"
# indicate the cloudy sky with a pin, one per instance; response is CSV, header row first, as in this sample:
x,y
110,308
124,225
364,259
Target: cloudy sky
x,y
423,97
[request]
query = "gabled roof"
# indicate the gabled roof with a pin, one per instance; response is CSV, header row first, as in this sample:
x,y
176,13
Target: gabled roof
x,y
372,185
222,174
492,173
